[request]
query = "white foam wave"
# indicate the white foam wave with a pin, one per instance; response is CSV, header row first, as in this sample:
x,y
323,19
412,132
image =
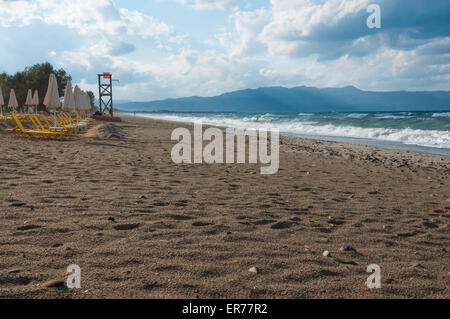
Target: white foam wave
x,y
443,114
356,115
428,138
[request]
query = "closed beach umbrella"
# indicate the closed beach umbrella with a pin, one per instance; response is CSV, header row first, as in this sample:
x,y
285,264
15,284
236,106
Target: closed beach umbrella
x,y
35,100
51,100
2,101
76,95
84,105
29,100
12,100
69,100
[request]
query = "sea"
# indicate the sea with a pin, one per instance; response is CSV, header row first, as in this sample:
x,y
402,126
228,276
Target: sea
x,y
427,132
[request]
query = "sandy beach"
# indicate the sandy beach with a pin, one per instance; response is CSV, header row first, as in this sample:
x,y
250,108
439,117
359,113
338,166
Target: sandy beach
x,y
139,226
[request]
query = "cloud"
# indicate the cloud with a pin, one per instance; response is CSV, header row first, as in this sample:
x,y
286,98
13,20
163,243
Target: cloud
x,y
88,17
207,4
122,48
335,28
302,42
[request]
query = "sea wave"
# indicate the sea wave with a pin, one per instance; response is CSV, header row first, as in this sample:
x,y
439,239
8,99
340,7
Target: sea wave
x,y
427,138
443,114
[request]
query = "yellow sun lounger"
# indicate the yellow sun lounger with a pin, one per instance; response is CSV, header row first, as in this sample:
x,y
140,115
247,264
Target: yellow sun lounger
x,y
21,131
67,120
51,127
63,123
75,121
4,118
39,126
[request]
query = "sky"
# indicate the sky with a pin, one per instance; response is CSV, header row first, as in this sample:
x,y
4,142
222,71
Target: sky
x,y
161,49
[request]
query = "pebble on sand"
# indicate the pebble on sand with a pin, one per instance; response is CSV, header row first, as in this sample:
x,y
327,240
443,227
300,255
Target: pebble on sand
x,y
347,248
254,270
53,284
326,253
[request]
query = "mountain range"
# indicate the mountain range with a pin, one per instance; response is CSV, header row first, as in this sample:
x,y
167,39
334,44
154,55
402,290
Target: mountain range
x,y
300,99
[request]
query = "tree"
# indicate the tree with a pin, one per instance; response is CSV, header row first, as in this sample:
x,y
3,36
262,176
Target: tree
x,y
35,78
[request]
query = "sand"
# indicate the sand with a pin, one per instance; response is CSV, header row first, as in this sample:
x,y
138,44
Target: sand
x,y
139,226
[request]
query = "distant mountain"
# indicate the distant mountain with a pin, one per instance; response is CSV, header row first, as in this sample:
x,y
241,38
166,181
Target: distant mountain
x,y
301,99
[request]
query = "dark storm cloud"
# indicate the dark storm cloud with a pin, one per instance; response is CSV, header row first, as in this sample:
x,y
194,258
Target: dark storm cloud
x,y
405,25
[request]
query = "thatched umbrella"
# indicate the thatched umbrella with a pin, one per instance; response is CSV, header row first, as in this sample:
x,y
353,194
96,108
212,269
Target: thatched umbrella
x,y
12,100
29,100
35,100
51,100
69,99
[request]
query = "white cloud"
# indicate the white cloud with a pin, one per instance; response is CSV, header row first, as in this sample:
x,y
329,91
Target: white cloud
x,y
207,4
88,17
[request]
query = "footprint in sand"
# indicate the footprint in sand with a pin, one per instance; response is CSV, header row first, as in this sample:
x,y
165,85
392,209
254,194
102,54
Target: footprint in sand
x,y
283,225
28,227
264,222
16,281
200,224
179,217
126,226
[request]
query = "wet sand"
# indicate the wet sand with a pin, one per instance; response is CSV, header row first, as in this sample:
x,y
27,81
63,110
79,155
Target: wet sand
x,y
140,226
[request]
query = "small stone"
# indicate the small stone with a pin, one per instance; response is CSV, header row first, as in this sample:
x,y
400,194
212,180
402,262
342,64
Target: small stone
x,y
112,219
253,270
228,233
62,205
53,284
322,240
98,234
323,291
143,197
326,253
416,265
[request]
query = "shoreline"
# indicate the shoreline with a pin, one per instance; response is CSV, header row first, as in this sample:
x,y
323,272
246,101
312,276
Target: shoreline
x,y
391,156
393,145
139,226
